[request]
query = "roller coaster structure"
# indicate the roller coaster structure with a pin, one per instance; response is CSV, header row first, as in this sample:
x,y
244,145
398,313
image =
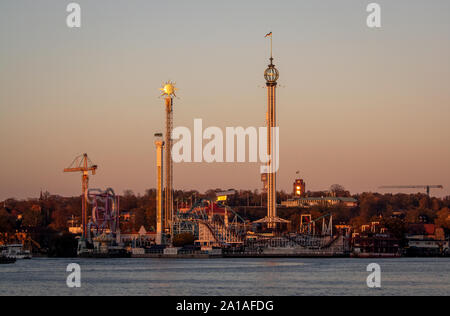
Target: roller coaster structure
x,y
221,223
105,214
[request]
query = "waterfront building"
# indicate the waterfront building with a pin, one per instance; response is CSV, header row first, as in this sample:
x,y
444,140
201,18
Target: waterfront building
x,y
426,240
136,239
375,245
320,201
299,188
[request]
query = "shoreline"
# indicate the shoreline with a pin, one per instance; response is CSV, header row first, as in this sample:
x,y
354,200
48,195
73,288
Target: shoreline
x,y
246,256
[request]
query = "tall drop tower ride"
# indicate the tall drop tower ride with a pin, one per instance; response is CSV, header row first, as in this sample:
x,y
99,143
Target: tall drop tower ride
x,y
271,75
168,91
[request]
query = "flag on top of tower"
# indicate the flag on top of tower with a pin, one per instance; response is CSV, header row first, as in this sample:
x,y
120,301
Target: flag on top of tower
x,y
268,34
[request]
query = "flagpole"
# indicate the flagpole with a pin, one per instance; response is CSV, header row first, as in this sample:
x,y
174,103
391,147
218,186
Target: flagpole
x,y
271,55
271,46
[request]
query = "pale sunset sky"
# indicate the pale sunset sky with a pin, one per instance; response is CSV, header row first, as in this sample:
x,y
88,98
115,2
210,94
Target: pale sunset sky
x,y
356,106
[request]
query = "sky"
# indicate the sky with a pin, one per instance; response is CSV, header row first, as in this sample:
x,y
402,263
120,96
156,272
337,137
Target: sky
x,y
356,106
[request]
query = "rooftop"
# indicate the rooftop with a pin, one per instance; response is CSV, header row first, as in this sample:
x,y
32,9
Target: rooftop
x,y
329,198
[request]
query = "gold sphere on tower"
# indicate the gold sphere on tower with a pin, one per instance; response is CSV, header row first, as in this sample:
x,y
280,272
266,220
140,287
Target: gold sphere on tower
x,y
169,89
271,74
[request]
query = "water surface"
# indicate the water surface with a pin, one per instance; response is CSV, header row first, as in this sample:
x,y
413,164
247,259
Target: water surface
x,y
272,277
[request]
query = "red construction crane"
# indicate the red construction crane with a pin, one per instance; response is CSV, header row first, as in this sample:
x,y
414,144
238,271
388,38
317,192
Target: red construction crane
x,y
427,187
83,164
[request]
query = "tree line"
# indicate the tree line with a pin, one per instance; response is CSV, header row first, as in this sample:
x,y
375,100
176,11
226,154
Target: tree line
x,y
51,213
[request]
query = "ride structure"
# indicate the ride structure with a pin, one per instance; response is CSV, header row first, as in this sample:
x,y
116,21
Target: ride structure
x,y
168,92
212,223
105,214
103,230
272,221
309,241
160,218
308,225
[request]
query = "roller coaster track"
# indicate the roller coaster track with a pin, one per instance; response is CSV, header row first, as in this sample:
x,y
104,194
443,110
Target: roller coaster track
x,y
222,234
310,242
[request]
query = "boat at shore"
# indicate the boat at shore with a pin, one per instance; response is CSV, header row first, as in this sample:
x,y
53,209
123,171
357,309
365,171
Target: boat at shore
x,y
102,247
4,258
7,260
16,251
376,255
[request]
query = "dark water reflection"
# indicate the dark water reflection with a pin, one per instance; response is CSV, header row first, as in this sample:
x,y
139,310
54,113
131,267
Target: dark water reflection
x,y
227,277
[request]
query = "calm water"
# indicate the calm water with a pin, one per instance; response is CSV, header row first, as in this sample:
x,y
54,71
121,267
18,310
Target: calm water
x,y
42,276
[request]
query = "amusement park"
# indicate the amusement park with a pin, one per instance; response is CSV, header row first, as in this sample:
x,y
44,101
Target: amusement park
x,y
214,227
224,155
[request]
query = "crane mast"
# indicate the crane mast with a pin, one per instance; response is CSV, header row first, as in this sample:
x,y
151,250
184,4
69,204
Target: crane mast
x,y
427,187
84,165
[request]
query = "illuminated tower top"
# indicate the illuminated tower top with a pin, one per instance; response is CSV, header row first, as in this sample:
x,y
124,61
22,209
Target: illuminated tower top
x,y
169,89
271,74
